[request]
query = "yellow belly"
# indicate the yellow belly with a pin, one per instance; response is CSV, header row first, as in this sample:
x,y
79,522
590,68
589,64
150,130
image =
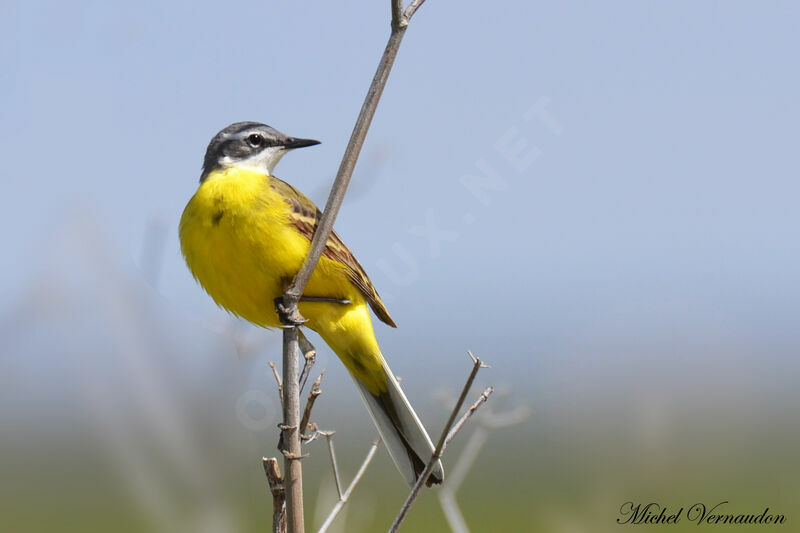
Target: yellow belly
x,y
240,244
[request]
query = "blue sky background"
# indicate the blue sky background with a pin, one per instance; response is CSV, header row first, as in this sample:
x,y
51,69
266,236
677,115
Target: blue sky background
x,y
644,248
670,192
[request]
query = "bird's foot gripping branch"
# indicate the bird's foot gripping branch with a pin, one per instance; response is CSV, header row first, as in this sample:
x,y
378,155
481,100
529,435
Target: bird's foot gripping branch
x,y
288,313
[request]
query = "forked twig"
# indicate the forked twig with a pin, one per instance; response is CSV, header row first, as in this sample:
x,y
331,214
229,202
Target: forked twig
x,y
446,436
483,398
344,497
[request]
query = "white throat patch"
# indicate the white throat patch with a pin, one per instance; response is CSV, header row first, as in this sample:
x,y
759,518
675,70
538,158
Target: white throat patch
x,y
264,161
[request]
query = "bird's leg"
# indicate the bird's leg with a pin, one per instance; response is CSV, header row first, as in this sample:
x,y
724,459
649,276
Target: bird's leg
x,y
293,318
290,318
343,301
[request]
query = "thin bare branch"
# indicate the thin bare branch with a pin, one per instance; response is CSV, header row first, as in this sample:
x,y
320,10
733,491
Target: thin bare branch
x,y
292,295
343,498
290,434
342,301
287,306
411,9
277,380
273,472
443,439
476,360
310,356
484,397
312,396
477,364
329,436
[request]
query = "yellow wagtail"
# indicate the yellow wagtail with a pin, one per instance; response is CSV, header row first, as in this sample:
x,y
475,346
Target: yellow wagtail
x,y
244,235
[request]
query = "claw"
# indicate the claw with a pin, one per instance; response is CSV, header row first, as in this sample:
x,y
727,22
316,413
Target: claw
x,y
289,318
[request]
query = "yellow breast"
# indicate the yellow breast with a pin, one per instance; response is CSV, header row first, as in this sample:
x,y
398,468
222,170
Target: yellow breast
x,y
240,245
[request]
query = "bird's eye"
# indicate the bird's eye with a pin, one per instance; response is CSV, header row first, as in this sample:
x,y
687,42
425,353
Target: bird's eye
x,y
255,140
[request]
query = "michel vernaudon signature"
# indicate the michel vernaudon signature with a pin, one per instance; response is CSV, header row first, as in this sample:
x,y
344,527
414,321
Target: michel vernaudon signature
x,y
699,513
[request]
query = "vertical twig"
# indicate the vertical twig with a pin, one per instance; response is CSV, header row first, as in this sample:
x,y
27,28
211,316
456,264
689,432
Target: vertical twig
x,y
293,470
291,297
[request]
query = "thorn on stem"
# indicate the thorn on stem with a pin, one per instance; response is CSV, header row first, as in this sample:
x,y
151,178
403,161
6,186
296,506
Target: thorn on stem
x,y
293,456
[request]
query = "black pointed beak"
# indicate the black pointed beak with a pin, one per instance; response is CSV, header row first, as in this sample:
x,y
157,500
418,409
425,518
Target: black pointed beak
x,y
292,143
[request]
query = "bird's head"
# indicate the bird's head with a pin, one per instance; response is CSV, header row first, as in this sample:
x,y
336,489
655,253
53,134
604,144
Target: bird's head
x,y
249,145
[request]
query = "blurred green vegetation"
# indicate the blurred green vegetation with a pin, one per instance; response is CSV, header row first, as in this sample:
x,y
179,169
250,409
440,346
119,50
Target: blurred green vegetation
x,y
542,476
121,412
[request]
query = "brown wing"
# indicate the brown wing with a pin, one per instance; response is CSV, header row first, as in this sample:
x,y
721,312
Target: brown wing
x,y
305,216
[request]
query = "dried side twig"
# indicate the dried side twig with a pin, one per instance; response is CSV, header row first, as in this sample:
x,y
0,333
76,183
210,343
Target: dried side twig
x,y
312,396
344,497
275,481
305,422
310,356
412,8
329,437
445,438
278,381
483,398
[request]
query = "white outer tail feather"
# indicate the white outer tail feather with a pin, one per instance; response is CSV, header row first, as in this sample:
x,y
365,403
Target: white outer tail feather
x,y
414,434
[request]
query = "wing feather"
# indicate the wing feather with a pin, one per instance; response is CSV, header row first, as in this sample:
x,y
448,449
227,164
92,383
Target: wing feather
x,y
305,216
